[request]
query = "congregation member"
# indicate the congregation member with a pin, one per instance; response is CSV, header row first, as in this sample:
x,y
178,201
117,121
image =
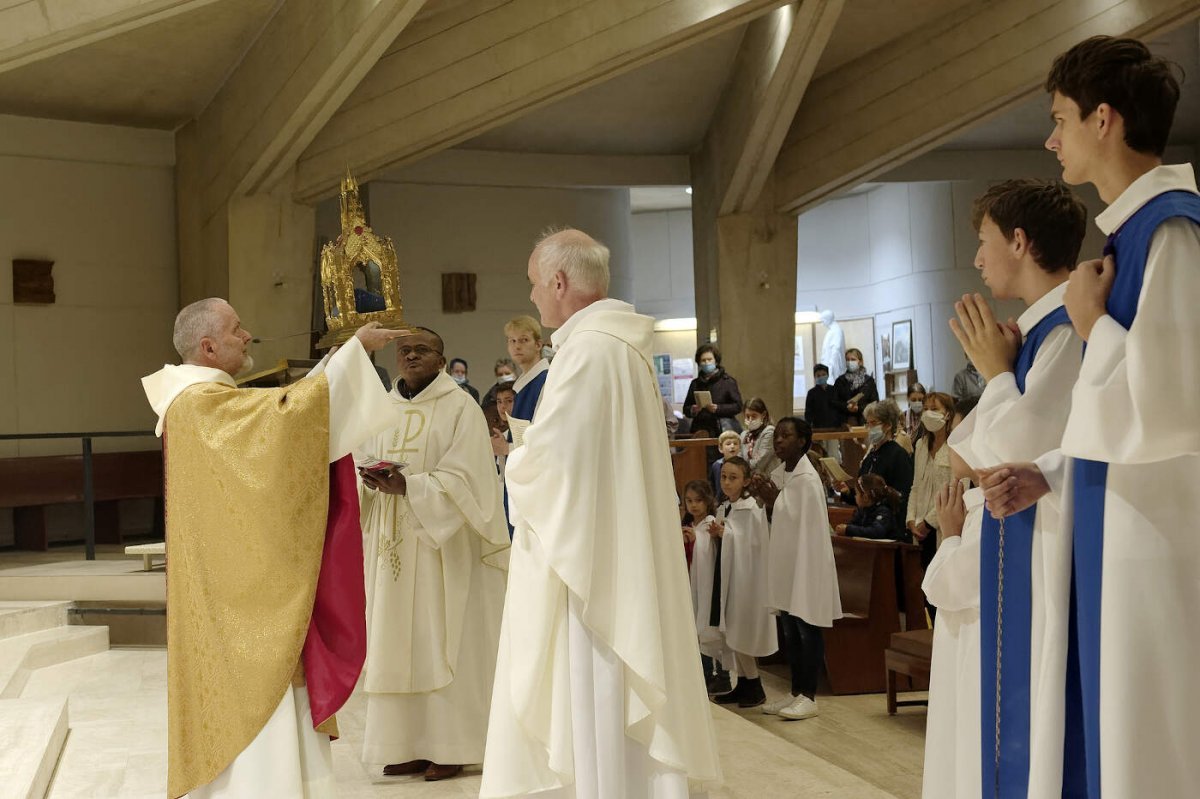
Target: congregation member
x,y
931,471
729,445
725,400
802,582
266,529
821,409
598,605
436,556
758,439
748,629
910,422
968,383
877,511
1131,443
855,390
1029,233
884,456
457,369
951,584
505,372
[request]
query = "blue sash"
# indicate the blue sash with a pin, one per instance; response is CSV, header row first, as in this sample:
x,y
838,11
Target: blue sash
x,y
1018,613
524,404
1130,245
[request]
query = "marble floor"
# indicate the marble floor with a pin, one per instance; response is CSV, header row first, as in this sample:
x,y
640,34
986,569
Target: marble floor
x,y
117,742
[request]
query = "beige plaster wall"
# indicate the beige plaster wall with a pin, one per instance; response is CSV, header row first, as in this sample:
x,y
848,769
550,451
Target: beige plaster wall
x,y
99,202
488,231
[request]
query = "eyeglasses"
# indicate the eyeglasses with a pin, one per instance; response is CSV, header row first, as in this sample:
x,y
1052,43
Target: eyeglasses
x,y
420,350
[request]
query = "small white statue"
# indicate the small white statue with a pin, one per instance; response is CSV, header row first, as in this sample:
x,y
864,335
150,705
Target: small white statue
x,y
833,348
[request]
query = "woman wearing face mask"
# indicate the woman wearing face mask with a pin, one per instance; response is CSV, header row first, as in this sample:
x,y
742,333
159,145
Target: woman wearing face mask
x,y
855,382
884,456
758,446
910,422
931,471
726,401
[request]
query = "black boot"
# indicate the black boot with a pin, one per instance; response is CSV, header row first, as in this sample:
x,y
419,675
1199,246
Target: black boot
x,y
719,684
738,694
753,694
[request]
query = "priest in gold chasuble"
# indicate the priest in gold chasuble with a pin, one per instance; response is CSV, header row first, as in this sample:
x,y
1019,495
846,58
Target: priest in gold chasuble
x,y
436,567
265,635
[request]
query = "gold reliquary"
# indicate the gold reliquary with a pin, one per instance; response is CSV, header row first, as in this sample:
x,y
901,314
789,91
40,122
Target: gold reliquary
x,y
360,275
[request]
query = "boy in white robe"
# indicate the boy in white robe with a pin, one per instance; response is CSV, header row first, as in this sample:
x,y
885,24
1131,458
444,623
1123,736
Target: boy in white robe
x,y
1132,442
749,628
1030,233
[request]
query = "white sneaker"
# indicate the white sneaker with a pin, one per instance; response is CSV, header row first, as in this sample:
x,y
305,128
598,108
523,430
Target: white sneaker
x,y
802,708
771,708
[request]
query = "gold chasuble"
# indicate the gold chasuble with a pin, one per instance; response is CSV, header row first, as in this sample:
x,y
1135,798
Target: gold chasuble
x,y
247,490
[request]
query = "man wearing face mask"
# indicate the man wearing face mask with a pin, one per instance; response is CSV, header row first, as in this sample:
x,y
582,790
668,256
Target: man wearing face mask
x,y
820,404
854,390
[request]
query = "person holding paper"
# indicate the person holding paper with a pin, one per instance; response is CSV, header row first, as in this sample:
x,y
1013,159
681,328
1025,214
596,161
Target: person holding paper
x,y
854,390
262,526
713,400
436,558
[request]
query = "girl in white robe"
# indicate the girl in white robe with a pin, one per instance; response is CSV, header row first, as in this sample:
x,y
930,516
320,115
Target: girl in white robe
x,y
701,506
749,628
952,743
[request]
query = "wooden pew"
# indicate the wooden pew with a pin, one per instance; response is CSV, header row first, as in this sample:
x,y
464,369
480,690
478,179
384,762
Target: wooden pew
x,y
28,485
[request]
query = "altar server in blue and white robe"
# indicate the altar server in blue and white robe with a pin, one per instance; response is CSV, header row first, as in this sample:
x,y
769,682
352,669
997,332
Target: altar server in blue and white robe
x,y
1132,442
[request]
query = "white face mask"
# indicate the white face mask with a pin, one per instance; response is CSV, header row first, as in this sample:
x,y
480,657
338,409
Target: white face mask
x,y
933,420
753,424
851,366
506,379
916,406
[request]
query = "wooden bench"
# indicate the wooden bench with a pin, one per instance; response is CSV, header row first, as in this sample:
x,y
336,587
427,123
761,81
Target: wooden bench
x,y
910,653
28,485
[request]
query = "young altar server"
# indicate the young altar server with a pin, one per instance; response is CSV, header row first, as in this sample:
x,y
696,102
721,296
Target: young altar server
x,y
701,506
951,584
1030,233
802,584
749,627
1132,442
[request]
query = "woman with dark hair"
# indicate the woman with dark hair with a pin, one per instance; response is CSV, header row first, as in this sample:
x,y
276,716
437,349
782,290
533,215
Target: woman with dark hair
x,y
854,390
725,401
758,438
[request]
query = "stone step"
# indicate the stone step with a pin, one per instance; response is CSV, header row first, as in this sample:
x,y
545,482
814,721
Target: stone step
x,y
32,734
21,655
21,617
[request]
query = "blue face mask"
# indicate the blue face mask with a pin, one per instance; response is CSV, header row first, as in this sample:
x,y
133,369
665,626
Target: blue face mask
x,y
823,381
708,368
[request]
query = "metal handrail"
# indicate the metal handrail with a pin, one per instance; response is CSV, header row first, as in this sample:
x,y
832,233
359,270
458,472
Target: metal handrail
x,y
89,492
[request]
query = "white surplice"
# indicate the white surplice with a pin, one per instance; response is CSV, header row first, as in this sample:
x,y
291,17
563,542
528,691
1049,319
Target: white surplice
x,y
599,691
749,626
435,561
1008,426
1134,407
951,584
704,567
288,758
802,577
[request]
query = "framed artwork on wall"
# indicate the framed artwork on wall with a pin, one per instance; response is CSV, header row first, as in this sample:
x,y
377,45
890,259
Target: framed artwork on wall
x,y
902,345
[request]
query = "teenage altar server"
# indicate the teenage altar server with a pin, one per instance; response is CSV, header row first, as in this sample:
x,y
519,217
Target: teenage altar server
x,y
1030,233
265,634
1132,442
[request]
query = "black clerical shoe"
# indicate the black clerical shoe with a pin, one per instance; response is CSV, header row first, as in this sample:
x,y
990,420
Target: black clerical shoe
x,y
401,769
437,772
737,695
753,695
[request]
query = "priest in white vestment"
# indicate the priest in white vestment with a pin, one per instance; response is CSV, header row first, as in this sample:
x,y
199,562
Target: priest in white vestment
x,y
241,722
599,692
436,556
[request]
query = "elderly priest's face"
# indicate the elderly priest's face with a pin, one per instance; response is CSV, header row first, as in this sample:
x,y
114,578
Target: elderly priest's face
x,y
226,347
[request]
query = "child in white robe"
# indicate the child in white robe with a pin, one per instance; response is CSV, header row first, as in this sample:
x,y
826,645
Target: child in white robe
x,y
749,629
700,505
952,743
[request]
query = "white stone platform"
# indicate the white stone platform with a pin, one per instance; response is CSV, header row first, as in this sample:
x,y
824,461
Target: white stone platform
x,y
84,580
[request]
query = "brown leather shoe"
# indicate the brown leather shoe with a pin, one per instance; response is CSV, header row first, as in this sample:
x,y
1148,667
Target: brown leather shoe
x,y
400,769
437,772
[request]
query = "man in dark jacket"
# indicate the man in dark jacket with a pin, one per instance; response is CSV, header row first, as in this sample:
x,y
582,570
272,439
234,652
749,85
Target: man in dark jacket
x,y
820,404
